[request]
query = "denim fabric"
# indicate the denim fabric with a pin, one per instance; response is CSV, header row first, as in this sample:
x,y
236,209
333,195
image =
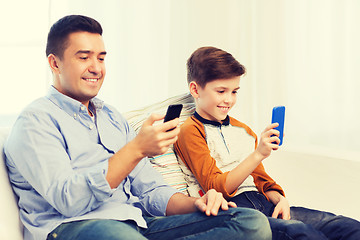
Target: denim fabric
x,y
236,223
305,223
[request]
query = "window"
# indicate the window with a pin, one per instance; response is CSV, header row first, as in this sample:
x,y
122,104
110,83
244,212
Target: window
x,y
24,72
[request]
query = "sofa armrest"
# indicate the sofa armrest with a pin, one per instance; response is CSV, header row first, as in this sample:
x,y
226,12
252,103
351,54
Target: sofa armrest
x,y
10,224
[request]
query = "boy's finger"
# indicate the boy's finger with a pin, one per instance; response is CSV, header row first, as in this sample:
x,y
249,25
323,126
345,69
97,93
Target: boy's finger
x,y
271,126
275,213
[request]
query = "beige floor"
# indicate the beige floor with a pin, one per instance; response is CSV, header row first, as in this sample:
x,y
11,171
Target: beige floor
x,y
317,182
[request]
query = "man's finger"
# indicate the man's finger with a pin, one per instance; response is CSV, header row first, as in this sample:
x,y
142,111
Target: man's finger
x,y
152,118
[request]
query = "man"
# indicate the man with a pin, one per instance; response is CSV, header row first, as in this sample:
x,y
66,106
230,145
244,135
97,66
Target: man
x,y
81,173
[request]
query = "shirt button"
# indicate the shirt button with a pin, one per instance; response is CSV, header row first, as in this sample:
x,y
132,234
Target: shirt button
x,y
82,108
75,115
91,126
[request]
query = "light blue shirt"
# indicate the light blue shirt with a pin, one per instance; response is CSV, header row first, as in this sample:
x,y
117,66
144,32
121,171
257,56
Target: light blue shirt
x,y
57,157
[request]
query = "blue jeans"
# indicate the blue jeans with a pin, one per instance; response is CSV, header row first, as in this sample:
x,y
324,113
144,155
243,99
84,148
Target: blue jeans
x,y
236,223
304,224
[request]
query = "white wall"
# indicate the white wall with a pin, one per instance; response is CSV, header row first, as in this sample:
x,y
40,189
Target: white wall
x,y
300,53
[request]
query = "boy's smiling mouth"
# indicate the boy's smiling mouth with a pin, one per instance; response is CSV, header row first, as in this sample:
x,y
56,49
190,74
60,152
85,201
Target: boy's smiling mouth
x,y
224,109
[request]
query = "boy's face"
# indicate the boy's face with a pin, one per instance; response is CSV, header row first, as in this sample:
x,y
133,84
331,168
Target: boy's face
x,y
214,101
81,71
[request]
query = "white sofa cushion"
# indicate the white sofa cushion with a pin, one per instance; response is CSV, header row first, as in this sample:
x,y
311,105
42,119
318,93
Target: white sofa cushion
x,y
166,164
10,224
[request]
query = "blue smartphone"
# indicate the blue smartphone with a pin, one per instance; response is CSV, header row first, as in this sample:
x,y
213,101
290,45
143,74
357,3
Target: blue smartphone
x,y
278,115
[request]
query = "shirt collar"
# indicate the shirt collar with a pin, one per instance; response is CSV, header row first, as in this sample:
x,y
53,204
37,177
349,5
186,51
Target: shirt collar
x,y
225,122
70,105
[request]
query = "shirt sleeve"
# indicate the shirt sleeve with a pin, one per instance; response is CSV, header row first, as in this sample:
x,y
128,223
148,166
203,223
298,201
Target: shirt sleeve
x,y
262,180
193,150
38,151
149,186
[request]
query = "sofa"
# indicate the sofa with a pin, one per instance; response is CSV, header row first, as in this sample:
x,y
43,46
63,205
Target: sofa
x,y
11,227
309,180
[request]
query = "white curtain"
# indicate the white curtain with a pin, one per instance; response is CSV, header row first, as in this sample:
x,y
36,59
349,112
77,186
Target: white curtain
x,y
299,53
306,57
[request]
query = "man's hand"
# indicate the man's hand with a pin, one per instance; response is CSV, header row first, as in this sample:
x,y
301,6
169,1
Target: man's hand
x,y
151,141
211,202
155,140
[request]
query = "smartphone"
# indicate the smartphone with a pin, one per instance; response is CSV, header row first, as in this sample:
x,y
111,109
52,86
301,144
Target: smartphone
x,y
173,112
278,115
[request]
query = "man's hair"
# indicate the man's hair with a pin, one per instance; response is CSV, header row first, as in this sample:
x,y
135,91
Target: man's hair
x,y
59,32
207,64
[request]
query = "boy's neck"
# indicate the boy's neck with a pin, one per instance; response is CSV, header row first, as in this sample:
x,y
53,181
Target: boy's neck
x,y
226,121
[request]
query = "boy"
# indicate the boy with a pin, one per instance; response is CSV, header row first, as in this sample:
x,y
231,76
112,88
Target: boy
x,y
225,154
80,173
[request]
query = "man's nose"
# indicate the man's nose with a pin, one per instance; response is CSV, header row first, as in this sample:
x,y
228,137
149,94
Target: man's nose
x,y
95,66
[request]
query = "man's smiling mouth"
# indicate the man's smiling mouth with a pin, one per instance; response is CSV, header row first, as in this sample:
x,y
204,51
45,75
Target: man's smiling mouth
x,y
91,79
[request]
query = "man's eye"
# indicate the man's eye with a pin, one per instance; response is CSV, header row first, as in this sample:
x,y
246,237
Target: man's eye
x,y
220,91
83,58
235,92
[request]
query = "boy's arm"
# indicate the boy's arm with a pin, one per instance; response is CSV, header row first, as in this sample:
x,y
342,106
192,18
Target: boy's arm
x,y
282,207
262,180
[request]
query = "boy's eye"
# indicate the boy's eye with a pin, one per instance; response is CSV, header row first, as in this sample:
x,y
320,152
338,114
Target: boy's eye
x,y
83,58
220,91
235,92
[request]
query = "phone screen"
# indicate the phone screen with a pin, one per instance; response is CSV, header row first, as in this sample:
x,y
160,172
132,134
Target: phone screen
x,y
173,112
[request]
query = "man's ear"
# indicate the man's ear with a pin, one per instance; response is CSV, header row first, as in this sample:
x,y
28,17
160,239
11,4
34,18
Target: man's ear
x,y
194,89
53,63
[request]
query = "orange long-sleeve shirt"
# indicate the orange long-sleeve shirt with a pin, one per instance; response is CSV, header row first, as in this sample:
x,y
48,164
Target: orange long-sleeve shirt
x,y
210,150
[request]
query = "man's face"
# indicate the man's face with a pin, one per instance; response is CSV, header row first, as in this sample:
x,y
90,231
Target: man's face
x,y
217,98
81,71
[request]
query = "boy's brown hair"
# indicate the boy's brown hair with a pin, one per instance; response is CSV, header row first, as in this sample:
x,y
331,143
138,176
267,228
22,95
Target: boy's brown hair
x,y
207,64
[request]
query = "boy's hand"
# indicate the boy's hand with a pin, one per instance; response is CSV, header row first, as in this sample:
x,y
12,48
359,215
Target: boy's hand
x,y
282,209
267,139
211,202
155,140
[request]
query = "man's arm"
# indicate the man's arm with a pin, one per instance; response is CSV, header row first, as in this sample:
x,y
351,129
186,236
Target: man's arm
x,y
210,203
150,141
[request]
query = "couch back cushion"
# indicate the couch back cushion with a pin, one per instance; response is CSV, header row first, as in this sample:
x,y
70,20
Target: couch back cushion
x,y
166,164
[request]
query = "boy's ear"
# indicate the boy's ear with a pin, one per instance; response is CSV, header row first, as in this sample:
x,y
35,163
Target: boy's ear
x,y
194,87
53,63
